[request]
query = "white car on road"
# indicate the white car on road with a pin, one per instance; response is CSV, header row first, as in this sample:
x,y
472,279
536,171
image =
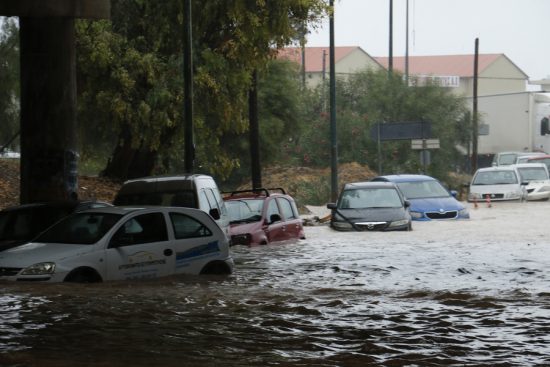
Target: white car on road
x,y
119,243
537,178
496,184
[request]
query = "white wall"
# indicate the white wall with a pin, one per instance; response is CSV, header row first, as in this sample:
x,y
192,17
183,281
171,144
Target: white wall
x,y
540,107
508,120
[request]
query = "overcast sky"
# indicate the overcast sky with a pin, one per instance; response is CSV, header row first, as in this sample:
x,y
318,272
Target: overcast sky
x,y
520,29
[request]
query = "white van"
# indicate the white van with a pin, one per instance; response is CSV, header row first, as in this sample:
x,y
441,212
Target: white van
x,y
189,190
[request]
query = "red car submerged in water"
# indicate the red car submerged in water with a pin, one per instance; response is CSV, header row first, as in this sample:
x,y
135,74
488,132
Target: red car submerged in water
x,y
259,217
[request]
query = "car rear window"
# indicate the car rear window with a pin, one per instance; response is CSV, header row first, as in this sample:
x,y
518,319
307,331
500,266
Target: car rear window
x,y
173,198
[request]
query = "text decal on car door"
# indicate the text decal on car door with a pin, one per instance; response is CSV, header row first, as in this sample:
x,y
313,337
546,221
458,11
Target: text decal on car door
x,y
141,259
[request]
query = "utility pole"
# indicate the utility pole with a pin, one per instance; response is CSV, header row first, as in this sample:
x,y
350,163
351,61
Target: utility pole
x,y
324,64
303,49
475,127
390,53
254,133
333,139
188,88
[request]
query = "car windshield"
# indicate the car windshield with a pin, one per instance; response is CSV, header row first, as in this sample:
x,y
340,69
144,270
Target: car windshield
x,y
507,159
25,223
422,189
495,178
540,160
80,229
245,210
533,173
362,198
522,159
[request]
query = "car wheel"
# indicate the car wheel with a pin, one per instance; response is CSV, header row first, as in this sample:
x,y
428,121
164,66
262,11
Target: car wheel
x,y
216,268
410,227
83,275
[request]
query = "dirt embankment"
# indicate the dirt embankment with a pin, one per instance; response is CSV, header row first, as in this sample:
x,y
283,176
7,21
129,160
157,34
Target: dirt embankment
x,y
304,183
89,187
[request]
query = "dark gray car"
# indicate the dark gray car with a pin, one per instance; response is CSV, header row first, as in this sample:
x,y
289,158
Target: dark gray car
x,y
20,224
370,206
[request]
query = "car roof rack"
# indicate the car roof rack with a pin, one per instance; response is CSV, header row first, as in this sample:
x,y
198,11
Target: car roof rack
x,y
259,191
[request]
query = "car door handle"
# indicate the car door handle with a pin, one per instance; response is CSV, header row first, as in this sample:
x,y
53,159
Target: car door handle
x,y
168,252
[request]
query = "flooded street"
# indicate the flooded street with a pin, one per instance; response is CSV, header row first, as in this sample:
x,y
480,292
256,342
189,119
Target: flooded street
x,y
467,293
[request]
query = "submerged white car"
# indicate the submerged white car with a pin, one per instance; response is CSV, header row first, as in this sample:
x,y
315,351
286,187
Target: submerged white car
x,y
537,178
118,243
496,184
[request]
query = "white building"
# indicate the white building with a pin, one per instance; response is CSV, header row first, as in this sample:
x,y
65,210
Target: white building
x,y
507,109
505,105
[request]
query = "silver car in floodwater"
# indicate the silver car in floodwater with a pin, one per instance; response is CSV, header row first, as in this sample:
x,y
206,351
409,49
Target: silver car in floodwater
x,y
117,243
497,183
537,178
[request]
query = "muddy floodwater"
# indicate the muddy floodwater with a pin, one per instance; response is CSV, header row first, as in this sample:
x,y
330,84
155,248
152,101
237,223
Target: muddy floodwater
x,y
467,293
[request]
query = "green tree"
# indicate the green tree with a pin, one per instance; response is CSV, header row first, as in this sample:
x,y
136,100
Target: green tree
x,y
9,82
130,77
281,112
370,97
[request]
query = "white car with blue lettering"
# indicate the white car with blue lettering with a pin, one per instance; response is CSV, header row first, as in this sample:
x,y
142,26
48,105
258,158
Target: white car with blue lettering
x,y
121,243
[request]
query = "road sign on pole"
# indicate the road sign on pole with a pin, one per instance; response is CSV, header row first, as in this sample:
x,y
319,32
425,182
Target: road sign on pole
x,y
401,130
425,144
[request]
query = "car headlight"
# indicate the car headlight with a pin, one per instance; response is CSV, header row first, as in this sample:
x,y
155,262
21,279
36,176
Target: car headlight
x,y
513,195
40,269
342,225
416,215
399,223
463,213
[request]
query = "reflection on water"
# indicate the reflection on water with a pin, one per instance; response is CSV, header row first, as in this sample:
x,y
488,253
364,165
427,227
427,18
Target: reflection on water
x,y
423,298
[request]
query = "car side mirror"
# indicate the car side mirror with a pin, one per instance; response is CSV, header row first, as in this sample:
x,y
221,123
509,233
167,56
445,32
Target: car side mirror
x,y
407,204
331,206
454,193
274,218
524,183
215,213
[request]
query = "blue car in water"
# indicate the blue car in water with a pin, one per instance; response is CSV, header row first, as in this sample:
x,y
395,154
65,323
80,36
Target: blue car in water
x,y
429,199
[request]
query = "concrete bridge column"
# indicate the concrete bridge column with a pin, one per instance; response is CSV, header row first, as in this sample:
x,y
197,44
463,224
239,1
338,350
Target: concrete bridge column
x,y
48,109
49,157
